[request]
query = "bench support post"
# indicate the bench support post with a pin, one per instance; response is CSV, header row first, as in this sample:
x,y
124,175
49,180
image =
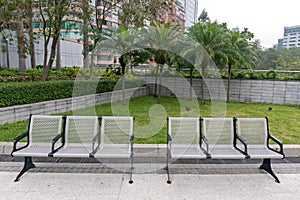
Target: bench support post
x,y
167,168
28,164
266,165
131,169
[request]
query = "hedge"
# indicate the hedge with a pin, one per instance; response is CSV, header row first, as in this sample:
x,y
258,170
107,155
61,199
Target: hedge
x,y
15,93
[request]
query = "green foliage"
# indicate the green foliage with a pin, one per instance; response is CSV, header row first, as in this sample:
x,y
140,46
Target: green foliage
x,y
67,73
279,59
271,74
32,92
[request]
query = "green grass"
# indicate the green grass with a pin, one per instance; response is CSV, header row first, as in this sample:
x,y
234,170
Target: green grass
x,y
150,117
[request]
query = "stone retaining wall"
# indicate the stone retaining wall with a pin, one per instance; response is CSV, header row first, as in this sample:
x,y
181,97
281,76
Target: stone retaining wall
x,y
22,112
258,91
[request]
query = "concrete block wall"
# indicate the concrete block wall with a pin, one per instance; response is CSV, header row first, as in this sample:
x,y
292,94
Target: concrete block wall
x,y
257,91
22,112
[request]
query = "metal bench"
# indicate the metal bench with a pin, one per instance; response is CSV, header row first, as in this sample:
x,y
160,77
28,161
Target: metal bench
x,y
217,138
256,133
41,131
75,136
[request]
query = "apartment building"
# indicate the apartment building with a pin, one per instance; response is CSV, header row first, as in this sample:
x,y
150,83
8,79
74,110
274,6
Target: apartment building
x,y
291,37
191,12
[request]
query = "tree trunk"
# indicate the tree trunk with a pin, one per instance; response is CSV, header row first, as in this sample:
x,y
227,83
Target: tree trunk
x,y
155,81
20,35
160,83
45,51
191,83
7,54
47,69
31,37
228,84
204,64
85,35
58,56
123,67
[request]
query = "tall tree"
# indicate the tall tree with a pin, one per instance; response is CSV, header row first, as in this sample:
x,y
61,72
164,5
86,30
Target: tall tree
x,y
126,41
161,40
210,36
52,14
240,52
86,15
20,8
7,9
29,14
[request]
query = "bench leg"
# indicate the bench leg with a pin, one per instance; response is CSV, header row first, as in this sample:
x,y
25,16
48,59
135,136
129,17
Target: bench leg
x,y
131,169
168,172
266,165
28,164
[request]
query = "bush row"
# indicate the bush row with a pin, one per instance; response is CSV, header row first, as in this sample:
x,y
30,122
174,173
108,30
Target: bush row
x,y
67,73
31,92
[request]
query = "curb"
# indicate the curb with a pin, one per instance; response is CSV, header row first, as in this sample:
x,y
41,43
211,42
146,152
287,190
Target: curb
x,y
290,150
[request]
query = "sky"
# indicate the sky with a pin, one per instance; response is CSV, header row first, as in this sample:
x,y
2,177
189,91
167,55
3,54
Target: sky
x,y
265,18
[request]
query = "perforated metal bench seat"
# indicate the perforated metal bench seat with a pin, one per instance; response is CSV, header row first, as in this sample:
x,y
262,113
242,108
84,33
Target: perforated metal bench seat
x,y
33,151
41,130
116,138
187,152
256,133
257,152
73,151
222,138
225,152
76,136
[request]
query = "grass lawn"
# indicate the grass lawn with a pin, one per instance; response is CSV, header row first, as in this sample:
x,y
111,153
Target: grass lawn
x,y
150,118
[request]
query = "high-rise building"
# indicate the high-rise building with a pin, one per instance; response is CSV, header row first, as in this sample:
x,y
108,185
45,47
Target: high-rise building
x,y
174,14
191,12
291,37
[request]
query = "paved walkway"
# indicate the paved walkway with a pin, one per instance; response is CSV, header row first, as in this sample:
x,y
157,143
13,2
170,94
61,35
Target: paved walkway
x,y
148,186
64,179
189,181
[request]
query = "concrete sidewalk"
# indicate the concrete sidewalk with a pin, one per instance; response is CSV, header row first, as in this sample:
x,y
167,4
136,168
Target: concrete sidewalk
x,y
148,186
206,179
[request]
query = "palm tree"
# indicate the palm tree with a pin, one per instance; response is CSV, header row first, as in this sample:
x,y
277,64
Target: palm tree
x,y
125,42
240,52
210,36
161,39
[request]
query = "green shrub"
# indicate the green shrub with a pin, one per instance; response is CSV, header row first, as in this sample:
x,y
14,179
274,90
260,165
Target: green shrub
x,y
271,74
31,92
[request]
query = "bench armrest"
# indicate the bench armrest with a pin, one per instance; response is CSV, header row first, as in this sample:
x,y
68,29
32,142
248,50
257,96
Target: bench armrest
x,y
279,143
243,141
17,139
205,140
95,139
54,140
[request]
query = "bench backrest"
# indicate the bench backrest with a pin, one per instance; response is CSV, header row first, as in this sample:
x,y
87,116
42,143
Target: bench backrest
x,y
116,131
42,129
253,130
184,131
218,131
81,130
